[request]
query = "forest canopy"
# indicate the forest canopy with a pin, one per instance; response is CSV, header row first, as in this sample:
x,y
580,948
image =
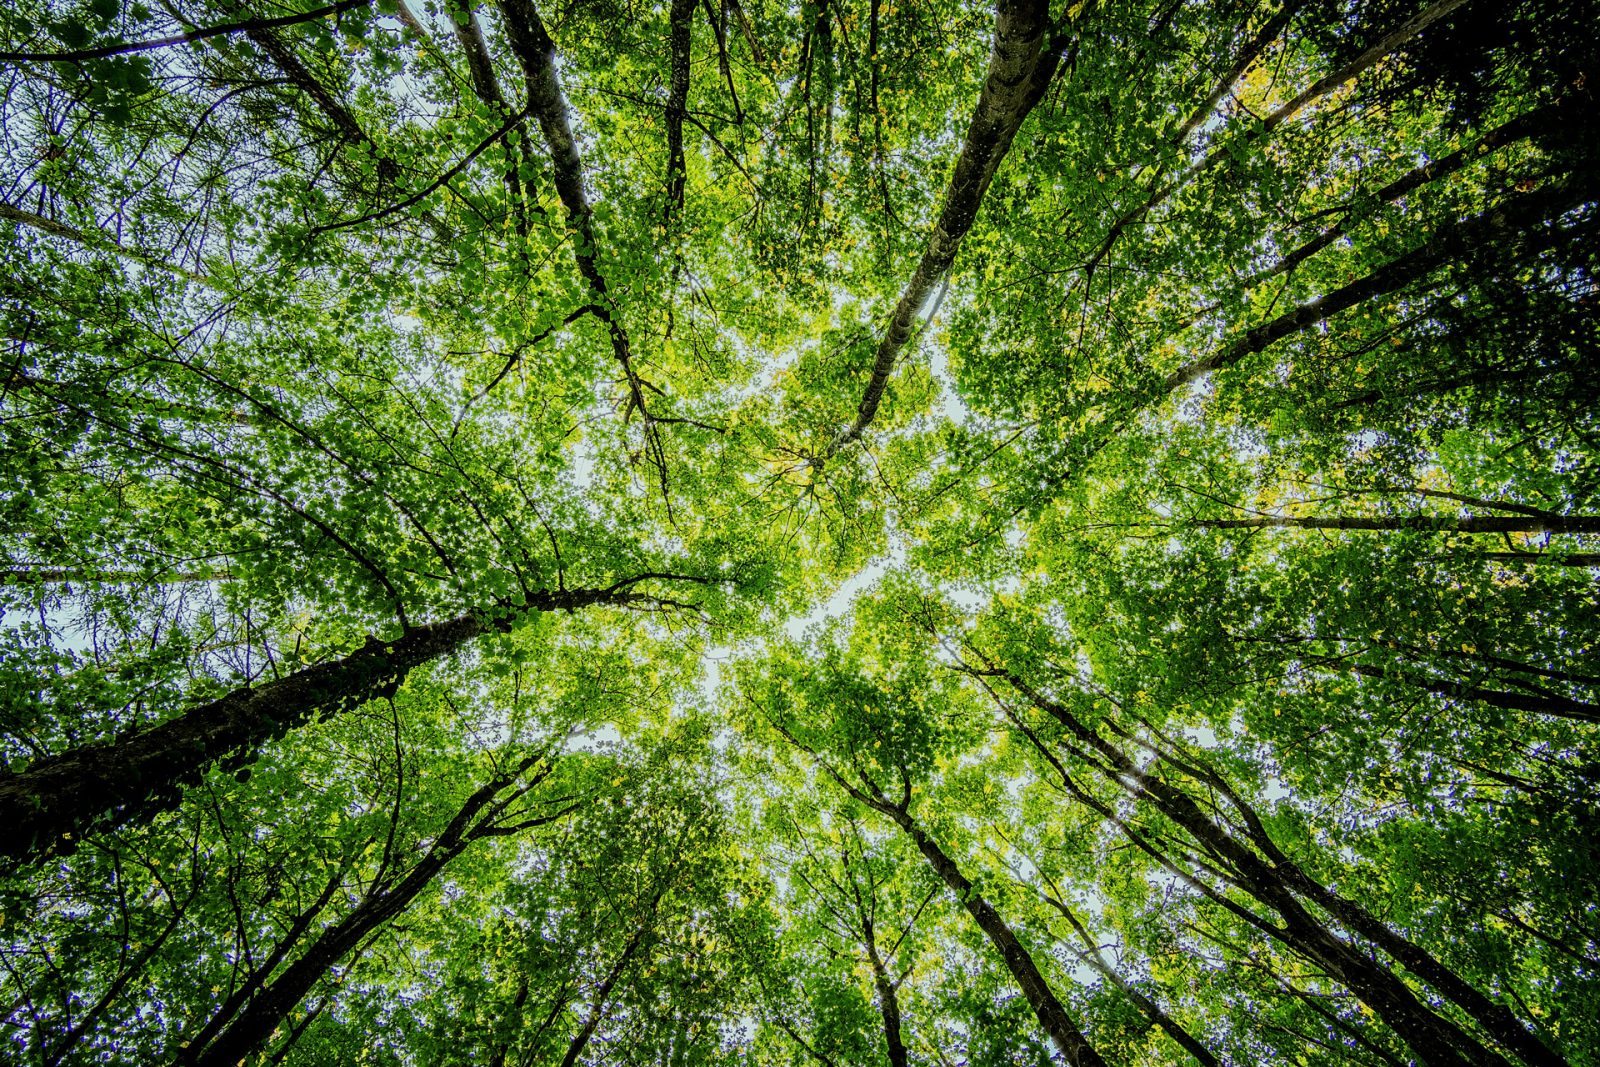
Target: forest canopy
x,y
842,532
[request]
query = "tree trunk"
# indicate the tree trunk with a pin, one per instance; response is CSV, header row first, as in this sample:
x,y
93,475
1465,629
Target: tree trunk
x,y
1558,706
1472,524
1020,70
255,1024
1058,1025
133,778
888,998
536,53
260,974
1280,885
681,41
480,65
283,55
1506,231
1152,1011
136,776
602,993
1320,88
1539,120
1070,1040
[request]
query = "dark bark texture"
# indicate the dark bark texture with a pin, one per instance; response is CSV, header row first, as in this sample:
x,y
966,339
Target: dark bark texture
x,y
1508,231
1555,524
1269,876
137,776
59,795
1052,1016
1020,70
253,1026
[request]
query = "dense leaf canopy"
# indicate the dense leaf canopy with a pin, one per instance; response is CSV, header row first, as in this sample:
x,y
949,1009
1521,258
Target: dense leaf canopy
x,y
844,532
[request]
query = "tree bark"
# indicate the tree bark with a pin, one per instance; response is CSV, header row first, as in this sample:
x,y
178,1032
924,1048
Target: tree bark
x,y
62,794
1507,231
133,778
1152,1011
101,241
597,1003
343,120
260,974
1058,1025
888,998
1557,524
536,53
680,34
1052,1016
1320,88
1020,70
1281,885
1555,705
469,34
1539,120
254,1025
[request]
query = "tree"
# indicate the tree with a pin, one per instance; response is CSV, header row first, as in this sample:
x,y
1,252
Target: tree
x,y
862,531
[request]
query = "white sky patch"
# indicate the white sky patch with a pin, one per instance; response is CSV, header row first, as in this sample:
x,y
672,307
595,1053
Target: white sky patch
x,y
582,467
974,600
1275,790
711,661
60,619
950,402
844,596
404,322
971,601
592,738
837,605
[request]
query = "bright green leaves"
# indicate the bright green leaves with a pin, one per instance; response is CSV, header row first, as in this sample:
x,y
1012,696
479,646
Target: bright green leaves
x,y
303,347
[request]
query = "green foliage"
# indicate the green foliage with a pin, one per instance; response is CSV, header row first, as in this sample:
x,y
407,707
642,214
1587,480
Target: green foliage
x,y
1212,592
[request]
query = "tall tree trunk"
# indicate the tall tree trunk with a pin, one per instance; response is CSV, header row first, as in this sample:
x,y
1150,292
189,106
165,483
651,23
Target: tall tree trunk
x,y
536,53
1508,230
1058,1025
1472,524
135,777
1555,705
1437,1042
1279,883
888,997
283,55
1154,1012
265,1012
1020,70
480,65
261,973
1263,129
1539,120
502,1049
680,27
602,993
1052,1015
